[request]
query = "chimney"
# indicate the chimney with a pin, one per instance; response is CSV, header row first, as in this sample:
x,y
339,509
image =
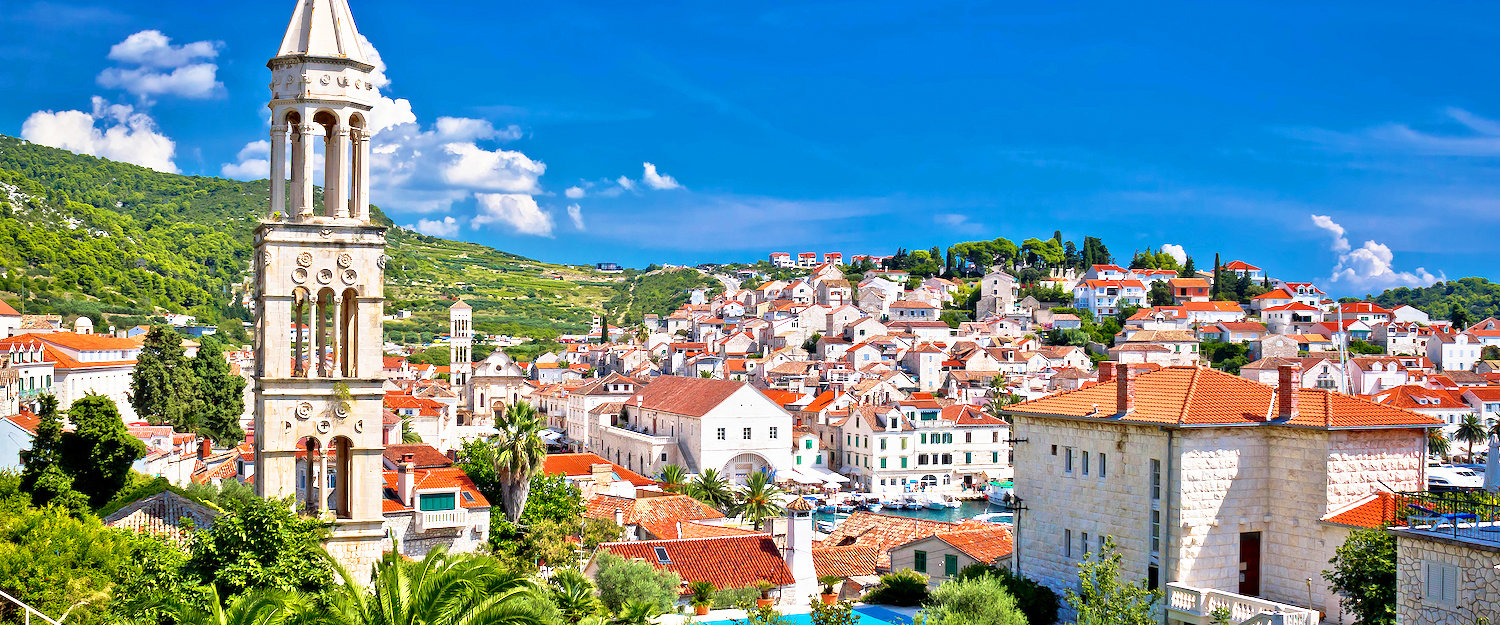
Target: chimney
x,y
1106,371
1124,389
205,448
404,483
1286,390
603,473
620,517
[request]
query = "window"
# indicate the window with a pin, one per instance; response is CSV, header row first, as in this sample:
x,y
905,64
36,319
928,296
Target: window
x,y
432,502
799,458
1085,463
1067,543
919,561
950,565
968,437
882,463
1101,543
819,460
1156,531
1155,479
773,432
1442,583
1067,460
995,456
924,438
1084,543
661,556
747,434
903,442
968,457
720,434
1103,464
903,462
921,459
882,444
808,444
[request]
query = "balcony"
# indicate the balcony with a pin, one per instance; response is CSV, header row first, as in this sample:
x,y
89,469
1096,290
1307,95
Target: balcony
x,y
1196,605
441,519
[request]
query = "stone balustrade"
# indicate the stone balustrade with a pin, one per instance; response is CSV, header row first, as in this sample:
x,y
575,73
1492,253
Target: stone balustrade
x,y
439,519
1195,605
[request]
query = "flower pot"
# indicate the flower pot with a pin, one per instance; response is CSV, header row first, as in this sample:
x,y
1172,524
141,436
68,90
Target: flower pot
x,y
764,602
700,610
829,598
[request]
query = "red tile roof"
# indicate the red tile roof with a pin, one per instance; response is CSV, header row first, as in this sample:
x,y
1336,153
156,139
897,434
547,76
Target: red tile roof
x,y
26,421
422,479
845,562
881,532
1374,511
1240,265
724,561
1190,396
581,464
985,544
425,456
7,311
686,396
659,515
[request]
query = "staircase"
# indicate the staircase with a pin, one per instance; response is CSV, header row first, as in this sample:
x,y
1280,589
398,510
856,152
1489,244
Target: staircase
x,y
28,611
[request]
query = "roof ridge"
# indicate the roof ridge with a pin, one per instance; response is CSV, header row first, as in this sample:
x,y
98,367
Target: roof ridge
x,y
1187,398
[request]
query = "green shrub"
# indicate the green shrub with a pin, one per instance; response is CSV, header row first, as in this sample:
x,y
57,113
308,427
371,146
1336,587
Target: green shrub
x,y
905,588
980,600
1039,603
621,581
731,597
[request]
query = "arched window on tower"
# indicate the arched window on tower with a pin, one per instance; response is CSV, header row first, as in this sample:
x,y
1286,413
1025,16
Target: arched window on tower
x,y
335,164
359,168
349,333
301,331
343,465
310,474
325,344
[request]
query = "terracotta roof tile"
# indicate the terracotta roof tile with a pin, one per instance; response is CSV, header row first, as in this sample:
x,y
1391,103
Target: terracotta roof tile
x,y
845,562
425,456
881,532
1374,511
985,545
724,561
658,515
581,464
686,396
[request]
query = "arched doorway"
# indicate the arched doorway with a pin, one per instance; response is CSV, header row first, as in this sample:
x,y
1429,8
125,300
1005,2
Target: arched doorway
x,y
739,468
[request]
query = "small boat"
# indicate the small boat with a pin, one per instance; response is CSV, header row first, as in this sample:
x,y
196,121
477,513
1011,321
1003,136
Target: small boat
x,y
826,527
998,493
935,502
996,517
873,505
912,504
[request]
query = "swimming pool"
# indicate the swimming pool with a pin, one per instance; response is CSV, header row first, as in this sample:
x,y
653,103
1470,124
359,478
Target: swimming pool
x,y
866,615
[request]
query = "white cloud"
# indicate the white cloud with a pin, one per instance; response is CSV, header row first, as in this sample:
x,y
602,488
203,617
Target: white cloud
x,y
253,162
446,227
952,220
657,181
519,212
1370,266
575,214
1340,244
112,131
625,183
1175,251
161,68
152,48
498,170
387,112
574,193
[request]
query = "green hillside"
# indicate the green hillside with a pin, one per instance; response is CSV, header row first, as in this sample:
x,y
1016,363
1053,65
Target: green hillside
x,y
84,236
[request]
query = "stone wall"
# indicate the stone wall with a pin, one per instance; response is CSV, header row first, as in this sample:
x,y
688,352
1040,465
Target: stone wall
x,y
1360,460
1478,581
414,544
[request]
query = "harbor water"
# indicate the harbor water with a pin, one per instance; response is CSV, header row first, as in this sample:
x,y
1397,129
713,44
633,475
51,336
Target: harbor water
x,y
965,510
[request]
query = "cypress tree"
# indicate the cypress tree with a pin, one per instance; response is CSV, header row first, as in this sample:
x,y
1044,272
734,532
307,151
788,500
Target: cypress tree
x,y
220,400
162,388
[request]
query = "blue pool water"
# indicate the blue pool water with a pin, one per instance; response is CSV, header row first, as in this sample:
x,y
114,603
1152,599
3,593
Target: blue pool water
x,y
866,614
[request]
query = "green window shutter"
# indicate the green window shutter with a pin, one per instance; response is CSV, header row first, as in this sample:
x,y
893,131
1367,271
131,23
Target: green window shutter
x,y
882,463
994,456
950,565
820,459
968,457
436,502
809,443
924,438
799,458
919,561
903,462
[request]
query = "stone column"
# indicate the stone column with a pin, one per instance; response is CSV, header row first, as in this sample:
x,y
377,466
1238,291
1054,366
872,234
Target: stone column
x,y
359,204
335,164
302,163
278,169
335,367
322,479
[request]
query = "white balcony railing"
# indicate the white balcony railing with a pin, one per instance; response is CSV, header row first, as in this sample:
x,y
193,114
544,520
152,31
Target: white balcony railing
x,y
440,519
1195,605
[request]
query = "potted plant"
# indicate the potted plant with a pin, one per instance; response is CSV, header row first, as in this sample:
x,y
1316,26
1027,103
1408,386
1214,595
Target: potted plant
x,y
703,596
829,597
765,594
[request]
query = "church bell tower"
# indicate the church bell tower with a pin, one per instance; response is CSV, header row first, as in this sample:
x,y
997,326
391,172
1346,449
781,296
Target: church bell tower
x,y
318,289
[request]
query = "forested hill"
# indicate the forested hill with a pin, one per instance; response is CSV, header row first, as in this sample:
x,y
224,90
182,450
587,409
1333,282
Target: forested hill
x,y
1470,299
121,244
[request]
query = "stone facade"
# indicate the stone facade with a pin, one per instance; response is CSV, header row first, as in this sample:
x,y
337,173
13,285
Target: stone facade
x,y
1476,595
414,544
1217,483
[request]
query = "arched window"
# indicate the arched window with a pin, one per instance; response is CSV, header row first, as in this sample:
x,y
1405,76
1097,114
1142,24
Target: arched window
x,y
343,465
349,333
335,164
301,331
309,475
325,342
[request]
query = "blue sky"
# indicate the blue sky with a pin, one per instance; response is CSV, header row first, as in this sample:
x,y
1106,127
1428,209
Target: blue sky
x,y
844,126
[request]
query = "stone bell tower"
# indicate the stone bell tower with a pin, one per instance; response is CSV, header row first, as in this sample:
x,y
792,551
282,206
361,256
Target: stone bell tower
x,y
318,280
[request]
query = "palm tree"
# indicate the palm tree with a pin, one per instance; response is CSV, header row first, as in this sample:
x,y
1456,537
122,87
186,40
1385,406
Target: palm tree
x,y
636,612
519,451
1470,431
574,595
711,489
672,477
261,607
760,499
440,589
1437,443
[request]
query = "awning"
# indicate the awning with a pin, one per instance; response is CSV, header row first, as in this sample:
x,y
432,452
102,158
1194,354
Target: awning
x,y
551,437
825,475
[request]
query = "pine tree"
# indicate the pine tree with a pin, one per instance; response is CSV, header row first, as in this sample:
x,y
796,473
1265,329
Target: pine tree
x,y
220,400
1189,270
162,388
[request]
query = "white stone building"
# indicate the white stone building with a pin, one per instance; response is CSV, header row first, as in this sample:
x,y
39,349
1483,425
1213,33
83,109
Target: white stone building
x,y
1207,482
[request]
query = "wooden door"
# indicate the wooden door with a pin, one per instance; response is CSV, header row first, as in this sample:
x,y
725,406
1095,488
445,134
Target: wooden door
x,y
1250,564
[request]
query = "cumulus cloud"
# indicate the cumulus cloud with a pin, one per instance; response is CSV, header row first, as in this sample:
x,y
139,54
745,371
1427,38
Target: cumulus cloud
x,y
1369,266
153,67
625,183
113,131
387,112
574,193
1175,251
952,220
445,227
253,162
519,212
657,181
575,214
